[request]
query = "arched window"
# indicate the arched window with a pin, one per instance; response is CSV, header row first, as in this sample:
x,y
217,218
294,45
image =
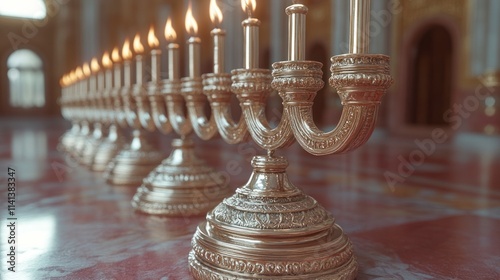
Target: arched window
x,y
26,79
431,81
34,9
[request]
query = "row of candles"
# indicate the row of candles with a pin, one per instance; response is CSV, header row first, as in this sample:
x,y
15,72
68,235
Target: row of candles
x,y
359,42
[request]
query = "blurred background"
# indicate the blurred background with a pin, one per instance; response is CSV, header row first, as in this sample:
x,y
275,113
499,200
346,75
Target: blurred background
x,y
445,54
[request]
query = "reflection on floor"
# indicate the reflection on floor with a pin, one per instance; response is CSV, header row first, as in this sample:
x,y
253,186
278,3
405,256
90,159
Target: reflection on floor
x,y
412,210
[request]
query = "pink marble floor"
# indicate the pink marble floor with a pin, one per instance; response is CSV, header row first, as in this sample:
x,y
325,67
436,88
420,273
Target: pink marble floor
x,y
439,220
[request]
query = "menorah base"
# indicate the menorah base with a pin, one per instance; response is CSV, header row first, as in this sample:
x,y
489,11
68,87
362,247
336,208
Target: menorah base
x,y
107,149
182,185
269,229
132,164
67,140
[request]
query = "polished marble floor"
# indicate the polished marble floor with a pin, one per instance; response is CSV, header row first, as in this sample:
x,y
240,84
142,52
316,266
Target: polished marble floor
x,y
414,208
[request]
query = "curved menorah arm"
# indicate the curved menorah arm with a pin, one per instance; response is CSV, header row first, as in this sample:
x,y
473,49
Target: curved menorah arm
x,y
360,79
129,109
192,90
217,88
158,108
252,87
119,114
143,108
171,90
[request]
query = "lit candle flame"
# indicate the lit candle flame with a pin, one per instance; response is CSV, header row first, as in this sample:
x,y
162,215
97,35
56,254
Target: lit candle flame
x,y
86,69
67,80
126,52
72,76
106,61
248,6
138,47
94,65
170,33
190,23
215,13
79,73
115,55
62,81
152,40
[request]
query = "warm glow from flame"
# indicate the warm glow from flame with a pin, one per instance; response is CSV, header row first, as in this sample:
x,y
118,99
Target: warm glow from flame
x,y
115,55
152,40
62,81
138,47
126,52
190,22
215,13
86,69
170,33
79,73
72,76
248,6
106,61
94,65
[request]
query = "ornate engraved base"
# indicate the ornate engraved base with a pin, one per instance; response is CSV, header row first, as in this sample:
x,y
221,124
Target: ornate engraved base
x,y
91,145
133,163
107,149
183,185
68,139
269,229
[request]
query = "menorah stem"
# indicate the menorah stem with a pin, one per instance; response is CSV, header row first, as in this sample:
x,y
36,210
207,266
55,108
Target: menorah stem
x,y
134,162
269,228
182,185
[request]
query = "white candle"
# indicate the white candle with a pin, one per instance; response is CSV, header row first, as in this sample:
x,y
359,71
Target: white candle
x,y
106,62
296,32
138,69
250,36
138,49
194,45
172,51
173,61
127,55
126,73
359,40
218,37
155,65
115,56
155,55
